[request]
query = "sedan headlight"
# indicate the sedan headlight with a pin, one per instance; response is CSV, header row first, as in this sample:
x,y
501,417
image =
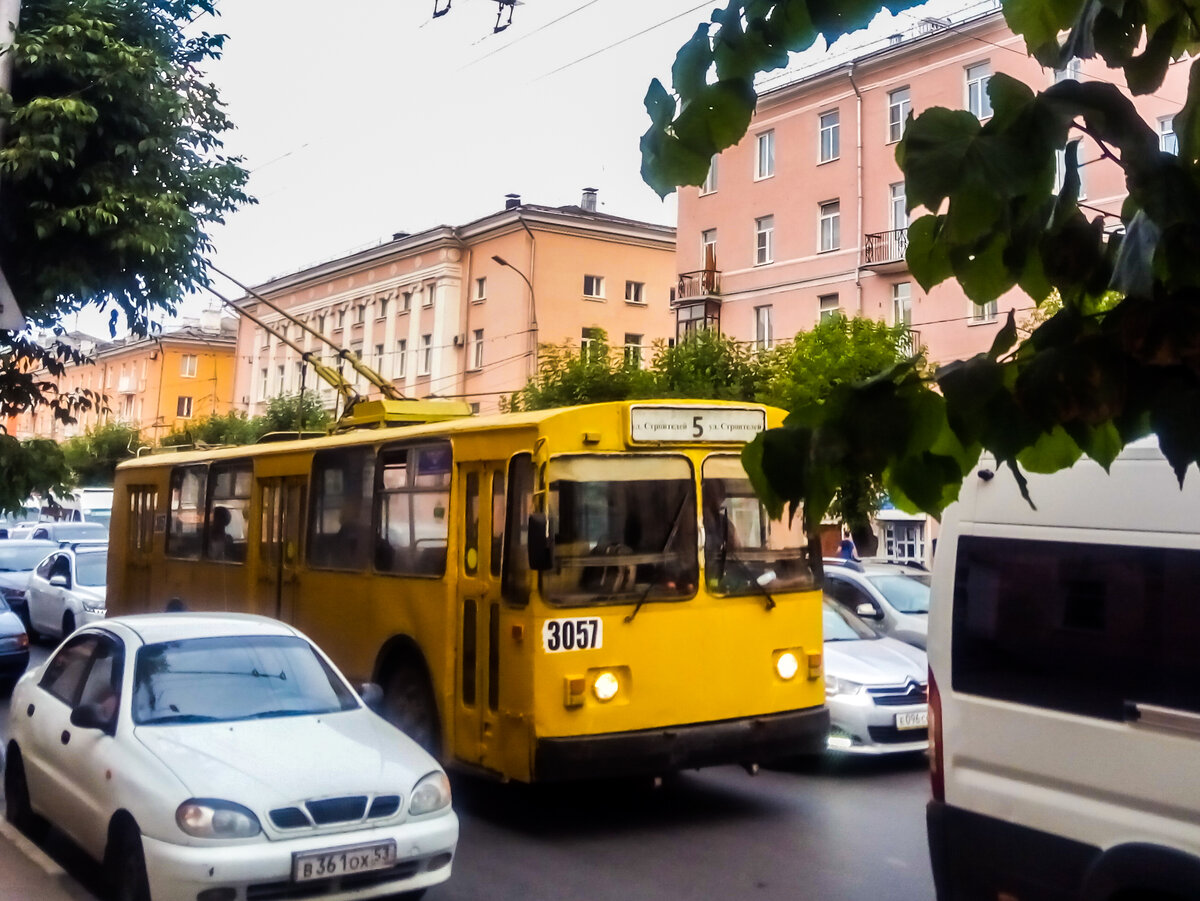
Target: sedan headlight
x,y
430,794
14,642
836,686
211,818
94,606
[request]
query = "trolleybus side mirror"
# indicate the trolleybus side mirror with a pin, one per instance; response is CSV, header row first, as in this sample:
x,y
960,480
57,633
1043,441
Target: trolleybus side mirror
x,y
541,548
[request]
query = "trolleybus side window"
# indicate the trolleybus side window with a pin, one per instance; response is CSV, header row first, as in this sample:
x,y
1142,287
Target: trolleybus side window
x,y
142,503
745,551
497,521
624,529
471,525
339,526
413,503
187,512
228,502
514,579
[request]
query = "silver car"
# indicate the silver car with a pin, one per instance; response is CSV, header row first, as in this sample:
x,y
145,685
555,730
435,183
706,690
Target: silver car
x,y
892,597
875,688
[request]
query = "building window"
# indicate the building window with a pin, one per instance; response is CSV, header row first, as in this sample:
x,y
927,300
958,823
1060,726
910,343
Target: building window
x,y
1060,172
378,358
401,357
708,248
1071,71
633,350
187,366
481,288
829,128
426,355
477,349
635,292
904,542
982,312
902,304
321,323
589,343
360,314
1168,141
697,317
828,307
593,286
341,318
899,109
764,161
764,240
262,384
183,408
830,226
280,371
429,295
405,301
710,180
382,305
897,201
764,330
978,102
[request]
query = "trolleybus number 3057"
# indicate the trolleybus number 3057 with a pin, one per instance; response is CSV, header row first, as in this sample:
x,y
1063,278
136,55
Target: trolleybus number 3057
x,y
574,634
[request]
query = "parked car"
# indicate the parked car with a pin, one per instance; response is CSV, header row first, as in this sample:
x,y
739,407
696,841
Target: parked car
x,y
14,647
22,529
893,597
1063,674
205,755
18,557
875,688
67,589
70,531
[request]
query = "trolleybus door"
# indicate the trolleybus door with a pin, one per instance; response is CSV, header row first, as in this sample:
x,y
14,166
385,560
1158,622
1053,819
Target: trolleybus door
x,y
139,545
478,695
279,545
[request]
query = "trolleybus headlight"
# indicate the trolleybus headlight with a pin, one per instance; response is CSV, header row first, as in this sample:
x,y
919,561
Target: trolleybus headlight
x,y
605,686
787,665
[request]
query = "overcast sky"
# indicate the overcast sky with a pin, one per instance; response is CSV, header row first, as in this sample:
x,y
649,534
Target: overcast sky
x,y
362,118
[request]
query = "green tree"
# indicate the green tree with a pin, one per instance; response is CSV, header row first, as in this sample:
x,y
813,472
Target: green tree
x,y
227,428
569,375
111,175
37,465
706,364
93,457
1087,380
293,412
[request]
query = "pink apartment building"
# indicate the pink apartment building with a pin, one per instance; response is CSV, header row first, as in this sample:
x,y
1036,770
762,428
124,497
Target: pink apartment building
x,y
459,311
805,217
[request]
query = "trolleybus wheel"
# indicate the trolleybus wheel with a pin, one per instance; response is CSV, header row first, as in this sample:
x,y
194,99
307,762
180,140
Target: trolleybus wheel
x,y
409,706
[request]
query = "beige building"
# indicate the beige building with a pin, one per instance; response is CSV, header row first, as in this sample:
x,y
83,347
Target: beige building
x,y
458,312
152,384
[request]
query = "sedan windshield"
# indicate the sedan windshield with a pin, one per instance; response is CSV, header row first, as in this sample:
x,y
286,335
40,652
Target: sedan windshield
x,y
908,594
22,559
234,678
745,551
842,625
91,568
624,529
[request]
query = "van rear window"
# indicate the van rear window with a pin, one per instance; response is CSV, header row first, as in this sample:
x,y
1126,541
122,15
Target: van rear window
x,y
1080,628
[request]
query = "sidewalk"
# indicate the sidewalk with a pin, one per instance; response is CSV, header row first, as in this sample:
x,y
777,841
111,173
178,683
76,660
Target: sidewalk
x,y
27,873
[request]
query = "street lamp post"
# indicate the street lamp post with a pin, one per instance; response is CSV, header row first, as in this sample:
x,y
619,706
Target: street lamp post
x,y
533,325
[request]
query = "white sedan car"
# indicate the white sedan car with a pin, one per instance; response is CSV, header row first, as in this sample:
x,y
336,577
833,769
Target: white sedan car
x,y
220,757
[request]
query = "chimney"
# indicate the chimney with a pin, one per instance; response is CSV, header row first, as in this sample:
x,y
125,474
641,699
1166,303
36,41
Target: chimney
x,y
512,201
210,321
399,236
589,200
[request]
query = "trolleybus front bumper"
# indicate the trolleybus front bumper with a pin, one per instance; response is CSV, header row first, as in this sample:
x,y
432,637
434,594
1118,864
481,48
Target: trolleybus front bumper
x,y
746,740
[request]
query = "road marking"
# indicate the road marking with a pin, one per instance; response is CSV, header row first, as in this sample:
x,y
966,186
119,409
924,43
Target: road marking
x,y
32,851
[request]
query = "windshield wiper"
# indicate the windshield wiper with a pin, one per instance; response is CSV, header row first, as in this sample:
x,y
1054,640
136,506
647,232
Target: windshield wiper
x,y
760,581
659,573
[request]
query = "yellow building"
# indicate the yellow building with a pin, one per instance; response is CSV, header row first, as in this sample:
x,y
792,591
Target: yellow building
x,y
152,384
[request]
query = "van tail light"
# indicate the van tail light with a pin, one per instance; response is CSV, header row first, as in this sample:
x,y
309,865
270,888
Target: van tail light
x,y
937,772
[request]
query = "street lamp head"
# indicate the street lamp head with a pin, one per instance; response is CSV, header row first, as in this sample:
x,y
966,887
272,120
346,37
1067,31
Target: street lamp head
x,y
500,260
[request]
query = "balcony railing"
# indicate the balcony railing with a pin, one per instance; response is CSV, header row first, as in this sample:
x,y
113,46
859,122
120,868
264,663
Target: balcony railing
x,y
910,342
698,285
885,247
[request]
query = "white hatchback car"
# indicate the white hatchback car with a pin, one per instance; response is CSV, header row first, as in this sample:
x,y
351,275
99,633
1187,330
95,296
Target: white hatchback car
x,y
221,756
67,589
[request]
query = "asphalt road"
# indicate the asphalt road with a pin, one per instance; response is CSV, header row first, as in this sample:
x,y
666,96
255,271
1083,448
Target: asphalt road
x,y
839,830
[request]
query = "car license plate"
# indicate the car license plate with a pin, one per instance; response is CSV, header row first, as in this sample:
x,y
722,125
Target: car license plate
x,y
341,861
918,719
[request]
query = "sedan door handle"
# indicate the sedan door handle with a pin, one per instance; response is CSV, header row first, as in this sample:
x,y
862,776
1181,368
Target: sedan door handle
x,y
66,736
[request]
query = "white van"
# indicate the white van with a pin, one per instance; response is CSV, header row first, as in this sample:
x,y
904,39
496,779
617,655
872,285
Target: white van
x,y
1064,656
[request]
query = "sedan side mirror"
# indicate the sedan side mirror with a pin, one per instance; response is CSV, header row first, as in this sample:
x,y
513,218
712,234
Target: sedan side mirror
x,y
60,581
868,611
91,716
372,695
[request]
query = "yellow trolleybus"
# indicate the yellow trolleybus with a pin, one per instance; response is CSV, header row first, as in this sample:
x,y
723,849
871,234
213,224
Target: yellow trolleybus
x,y
572,593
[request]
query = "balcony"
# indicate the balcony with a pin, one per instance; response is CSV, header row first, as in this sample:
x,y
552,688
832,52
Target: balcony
x,y
885,250
701,285
910,343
